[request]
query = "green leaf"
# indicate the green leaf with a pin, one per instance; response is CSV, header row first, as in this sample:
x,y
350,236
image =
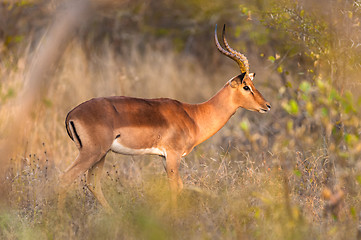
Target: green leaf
x,y
244,126
321,84
23,3
309,108
272,59
18,38
244,10
358,179
324,112
334,95
289,125
302,13
353,212
305,86
297,173
350,138
344,154
293,107
257,213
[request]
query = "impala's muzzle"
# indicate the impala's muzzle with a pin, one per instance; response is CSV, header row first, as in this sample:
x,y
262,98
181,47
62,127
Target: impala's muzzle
x,y
264,110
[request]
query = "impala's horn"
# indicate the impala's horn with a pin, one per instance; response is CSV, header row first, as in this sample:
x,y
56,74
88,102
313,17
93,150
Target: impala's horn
x,y
230,52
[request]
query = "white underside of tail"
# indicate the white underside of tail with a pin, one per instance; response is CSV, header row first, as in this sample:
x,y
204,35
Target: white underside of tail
x,y
119,148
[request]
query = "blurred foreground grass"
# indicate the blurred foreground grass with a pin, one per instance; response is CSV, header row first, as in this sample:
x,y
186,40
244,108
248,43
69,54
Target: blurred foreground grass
x,y
228,195
291,174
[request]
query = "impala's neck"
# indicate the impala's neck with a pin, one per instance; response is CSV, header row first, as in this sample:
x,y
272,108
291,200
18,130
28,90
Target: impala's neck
x,y
213,114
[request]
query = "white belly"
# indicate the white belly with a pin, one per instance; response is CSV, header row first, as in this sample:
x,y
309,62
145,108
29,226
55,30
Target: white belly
x,y
119,148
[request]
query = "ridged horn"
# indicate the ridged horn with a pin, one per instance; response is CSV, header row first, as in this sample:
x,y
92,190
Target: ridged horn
x,y
231,53
240,55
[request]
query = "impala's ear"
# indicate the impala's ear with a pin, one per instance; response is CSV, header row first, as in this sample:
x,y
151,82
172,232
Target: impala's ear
x,y
237,80
242,76
251,76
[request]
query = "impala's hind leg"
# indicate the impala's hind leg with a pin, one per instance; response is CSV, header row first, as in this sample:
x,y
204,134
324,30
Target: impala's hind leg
x,y
82,163
94,185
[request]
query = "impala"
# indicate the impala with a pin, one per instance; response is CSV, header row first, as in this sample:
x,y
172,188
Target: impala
x,y
164,127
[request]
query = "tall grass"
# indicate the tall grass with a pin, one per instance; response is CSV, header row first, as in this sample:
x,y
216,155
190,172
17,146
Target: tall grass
x,y
235,188
293,173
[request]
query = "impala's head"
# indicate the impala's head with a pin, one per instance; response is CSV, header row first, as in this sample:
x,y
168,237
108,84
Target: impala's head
x,y
244,92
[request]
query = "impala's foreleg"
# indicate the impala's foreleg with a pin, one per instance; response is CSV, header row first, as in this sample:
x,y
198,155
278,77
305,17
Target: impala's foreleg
x,y
172,169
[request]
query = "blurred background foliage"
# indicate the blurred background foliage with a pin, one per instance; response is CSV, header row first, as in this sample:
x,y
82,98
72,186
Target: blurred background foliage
x,y
304,156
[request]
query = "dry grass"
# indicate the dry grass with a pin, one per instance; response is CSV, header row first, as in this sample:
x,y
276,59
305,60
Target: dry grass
x,y
293,173
235,187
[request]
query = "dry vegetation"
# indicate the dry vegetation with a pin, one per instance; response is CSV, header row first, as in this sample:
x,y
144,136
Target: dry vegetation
x,y
291,174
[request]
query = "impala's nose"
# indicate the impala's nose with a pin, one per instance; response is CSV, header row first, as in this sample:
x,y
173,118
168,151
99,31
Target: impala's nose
x,y
269,106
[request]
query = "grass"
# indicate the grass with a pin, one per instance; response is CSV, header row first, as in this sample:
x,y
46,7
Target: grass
x,y
240,184
223,199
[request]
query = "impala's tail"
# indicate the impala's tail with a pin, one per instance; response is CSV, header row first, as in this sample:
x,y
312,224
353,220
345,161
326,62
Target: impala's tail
x,y
71,130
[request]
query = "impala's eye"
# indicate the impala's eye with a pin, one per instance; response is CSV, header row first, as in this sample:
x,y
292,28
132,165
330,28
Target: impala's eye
x,y
246,88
